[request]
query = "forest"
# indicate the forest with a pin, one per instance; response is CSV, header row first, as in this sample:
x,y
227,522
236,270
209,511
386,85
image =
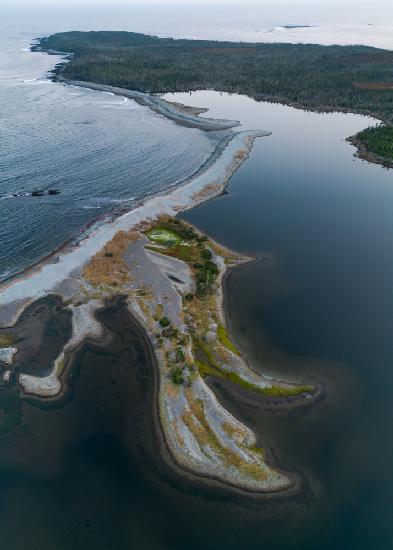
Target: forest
x,y
348,78
379,140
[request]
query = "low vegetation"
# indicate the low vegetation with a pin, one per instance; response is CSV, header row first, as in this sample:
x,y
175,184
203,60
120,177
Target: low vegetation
x,y
164,322
209,366
182,242
108,267
212,347
177,376
225,339
163,236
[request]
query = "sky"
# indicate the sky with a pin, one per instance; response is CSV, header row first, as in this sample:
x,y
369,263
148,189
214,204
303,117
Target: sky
x,y
376,3
368,22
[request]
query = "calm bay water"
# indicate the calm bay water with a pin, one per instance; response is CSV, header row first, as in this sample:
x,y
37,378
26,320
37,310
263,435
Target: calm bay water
x,y
318,305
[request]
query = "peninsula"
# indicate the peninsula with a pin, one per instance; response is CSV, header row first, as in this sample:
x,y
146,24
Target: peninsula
x,y
309,76
170,276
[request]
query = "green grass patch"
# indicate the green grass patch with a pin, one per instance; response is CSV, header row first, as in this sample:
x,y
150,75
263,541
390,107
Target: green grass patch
x,y
224,339
293,391
208,366
163,236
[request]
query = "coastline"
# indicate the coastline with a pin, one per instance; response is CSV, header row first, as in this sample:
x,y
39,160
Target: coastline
x,y
63,274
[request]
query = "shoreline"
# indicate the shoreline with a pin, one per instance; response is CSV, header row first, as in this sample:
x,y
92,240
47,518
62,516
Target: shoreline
x,y
364,154
183,115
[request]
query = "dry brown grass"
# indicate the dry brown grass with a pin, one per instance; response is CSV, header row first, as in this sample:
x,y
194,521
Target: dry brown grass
x,y
241,155
210,189
108,267
373,85
159,312
7,340
233,431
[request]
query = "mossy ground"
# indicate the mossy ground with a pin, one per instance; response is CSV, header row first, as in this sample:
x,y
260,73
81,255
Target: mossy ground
x,y
225,339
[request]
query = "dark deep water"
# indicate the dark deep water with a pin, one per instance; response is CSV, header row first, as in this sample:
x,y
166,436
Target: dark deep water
x,y
319,305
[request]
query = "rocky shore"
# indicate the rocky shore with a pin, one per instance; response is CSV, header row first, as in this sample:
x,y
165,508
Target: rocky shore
x,y
364,154
178,113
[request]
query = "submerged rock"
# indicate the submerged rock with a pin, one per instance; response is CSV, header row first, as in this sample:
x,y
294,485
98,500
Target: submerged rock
x,y
41,193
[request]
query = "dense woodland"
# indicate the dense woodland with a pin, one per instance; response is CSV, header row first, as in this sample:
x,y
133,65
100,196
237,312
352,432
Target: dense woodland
x,y
379,140
355,78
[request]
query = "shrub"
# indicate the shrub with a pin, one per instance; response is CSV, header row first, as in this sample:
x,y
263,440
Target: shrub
x,y
177,376
164,322
206,276
206,254
180,357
